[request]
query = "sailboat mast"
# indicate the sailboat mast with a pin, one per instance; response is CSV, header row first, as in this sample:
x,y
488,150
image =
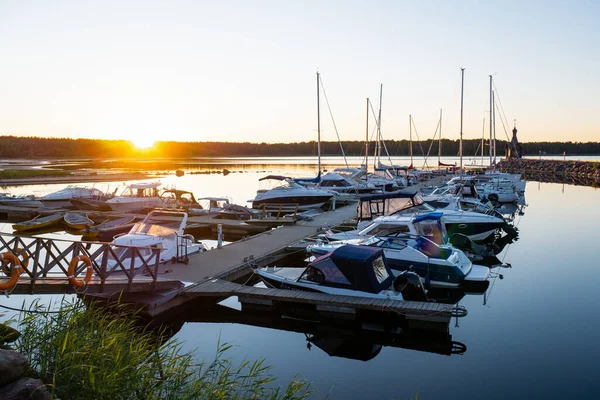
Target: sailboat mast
x,y
318,126
494,114
440,143
367,140
410,143
462,89
379,125
482,140
491,111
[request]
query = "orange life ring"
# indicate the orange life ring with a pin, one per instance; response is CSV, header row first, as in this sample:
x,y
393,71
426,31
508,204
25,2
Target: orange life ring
x,y
78,283
24,263
17,270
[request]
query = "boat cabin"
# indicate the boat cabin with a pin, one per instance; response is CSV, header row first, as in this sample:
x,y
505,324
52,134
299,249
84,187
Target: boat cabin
x,y
351,267
148,189
382,204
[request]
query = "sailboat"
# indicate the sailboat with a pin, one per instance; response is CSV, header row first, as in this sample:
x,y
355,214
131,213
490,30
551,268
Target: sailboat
x,y
296,192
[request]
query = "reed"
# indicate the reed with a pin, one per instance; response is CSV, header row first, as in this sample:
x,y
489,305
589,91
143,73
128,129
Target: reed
x,y
84,353
31,173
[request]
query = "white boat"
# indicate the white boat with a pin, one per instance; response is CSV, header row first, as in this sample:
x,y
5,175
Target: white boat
x,y
209,206
162,230
7,199
62,198
136,197
438,266
289,194
347,270
386,208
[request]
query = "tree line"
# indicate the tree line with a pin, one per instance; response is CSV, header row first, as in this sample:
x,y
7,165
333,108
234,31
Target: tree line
x,y
34,147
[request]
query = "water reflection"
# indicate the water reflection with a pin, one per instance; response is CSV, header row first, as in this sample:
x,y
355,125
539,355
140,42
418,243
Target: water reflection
x,y
349,339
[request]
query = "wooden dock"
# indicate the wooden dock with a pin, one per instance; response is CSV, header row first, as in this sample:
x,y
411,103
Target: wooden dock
x,y
234,260
322,302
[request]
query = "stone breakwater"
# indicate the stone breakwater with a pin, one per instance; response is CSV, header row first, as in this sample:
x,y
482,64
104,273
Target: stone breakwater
x,y
582,173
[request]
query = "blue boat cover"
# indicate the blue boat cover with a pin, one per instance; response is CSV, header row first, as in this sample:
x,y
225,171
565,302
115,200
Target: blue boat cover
x,y
429,217
317,179
363,268
406,193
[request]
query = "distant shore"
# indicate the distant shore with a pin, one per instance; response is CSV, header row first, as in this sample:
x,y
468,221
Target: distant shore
x,y
583,173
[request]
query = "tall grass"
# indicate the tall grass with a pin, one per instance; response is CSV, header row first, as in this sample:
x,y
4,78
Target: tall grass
x,y
30,173
87,353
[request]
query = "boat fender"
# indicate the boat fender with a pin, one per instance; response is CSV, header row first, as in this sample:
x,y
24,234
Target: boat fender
x,y
16,270
79,283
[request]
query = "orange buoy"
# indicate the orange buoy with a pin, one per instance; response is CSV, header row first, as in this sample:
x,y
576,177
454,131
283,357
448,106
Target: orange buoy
x,y
79,283
16,271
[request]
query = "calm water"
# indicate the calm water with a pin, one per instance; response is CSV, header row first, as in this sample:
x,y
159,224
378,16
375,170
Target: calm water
x,y
533,334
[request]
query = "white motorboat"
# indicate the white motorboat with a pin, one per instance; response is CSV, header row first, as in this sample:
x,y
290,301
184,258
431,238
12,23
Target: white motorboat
x,y
63,197
347,270
284,192
439,266
7,199
385,208
160,230
344,184
136,197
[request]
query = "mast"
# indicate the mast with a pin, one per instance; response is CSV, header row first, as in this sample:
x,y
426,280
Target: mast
x,y
367,140
440,142
410,143
482,140
491,117
462,89
379,126
494,117
318,126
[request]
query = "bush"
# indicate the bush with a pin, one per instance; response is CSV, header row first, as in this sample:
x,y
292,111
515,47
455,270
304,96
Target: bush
x,y
88,353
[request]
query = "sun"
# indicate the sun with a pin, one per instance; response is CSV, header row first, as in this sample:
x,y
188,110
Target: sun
x,y
143,143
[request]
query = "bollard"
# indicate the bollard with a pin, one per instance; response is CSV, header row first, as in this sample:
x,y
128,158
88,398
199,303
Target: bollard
x,y
333,204
219,236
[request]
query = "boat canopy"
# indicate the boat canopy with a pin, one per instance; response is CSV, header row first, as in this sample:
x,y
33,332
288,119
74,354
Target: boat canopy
x,y
371,206
316,179
359,267
145,185
429,216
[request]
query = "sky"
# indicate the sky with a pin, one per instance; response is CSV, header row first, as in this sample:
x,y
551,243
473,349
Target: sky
x,y
246,70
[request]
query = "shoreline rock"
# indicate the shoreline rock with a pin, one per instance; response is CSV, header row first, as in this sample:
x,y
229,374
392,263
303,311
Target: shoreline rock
x,y
583,173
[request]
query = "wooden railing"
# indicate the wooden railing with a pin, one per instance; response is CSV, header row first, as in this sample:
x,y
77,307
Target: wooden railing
x,y
43,258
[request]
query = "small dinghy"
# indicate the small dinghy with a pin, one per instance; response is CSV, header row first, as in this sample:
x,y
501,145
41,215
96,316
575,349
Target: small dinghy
x,y
77,221
109,226
38,223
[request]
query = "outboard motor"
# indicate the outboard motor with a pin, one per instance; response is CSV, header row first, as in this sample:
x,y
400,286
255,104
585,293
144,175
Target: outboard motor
x,y
411,286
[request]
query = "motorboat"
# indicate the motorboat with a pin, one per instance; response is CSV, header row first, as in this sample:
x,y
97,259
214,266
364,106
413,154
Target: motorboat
x,y
493,188
349,270
240,213
7,199
136,197
455,199
284,192
438,266
77,221
177,198
385,208
63,197
209,206
344,184
160,230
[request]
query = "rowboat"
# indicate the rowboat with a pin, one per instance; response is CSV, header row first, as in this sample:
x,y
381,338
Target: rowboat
x,y
107,226
77,221
38,222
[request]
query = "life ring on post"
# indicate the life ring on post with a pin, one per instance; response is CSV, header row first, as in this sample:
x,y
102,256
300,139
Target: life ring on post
x,y
78,283
16,270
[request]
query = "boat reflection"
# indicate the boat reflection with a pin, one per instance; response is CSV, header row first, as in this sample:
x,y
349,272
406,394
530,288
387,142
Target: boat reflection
x,y
348,339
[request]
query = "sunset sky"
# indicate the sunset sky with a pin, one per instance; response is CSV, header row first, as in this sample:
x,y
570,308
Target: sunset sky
x,y
245,70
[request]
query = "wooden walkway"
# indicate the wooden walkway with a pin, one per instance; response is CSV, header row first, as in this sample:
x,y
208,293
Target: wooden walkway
x,y
426,311
232,259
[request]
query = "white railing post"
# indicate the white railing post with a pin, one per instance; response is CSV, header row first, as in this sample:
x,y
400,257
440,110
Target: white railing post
x,y
219,236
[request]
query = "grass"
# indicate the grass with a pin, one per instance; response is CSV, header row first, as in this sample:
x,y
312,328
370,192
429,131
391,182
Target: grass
x,y
88,353
30,173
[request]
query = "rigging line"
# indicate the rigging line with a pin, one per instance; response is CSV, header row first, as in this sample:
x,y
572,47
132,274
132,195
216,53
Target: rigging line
x,y
333,121
501,111
433,140
420,145
381,137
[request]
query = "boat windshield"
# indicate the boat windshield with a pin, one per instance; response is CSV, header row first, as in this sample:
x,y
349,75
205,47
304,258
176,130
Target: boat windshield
x,y
156,228
380,229
432,229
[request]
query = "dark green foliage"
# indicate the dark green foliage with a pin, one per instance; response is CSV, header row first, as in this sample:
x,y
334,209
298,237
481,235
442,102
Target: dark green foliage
x,y
88,353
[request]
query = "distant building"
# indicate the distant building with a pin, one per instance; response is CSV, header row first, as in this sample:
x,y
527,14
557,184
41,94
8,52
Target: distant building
x,y
513,149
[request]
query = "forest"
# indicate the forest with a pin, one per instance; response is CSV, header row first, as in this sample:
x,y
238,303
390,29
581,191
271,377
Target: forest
x,y
41,148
